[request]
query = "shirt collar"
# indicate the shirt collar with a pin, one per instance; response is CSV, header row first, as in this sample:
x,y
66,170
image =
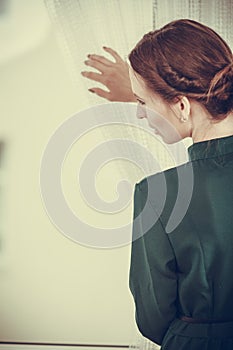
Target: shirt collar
x,y
211,148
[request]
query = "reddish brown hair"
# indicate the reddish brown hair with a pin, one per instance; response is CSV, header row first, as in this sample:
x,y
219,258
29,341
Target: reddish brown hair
x,y
187,58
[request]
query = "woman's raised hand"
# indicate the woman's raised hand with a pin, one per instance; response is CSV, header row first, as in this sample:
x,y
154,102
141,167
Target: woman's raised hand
x,y
114,75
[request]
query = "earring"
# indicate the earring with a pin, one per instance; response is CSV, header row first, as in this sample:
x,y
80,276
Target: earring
x,y
183,119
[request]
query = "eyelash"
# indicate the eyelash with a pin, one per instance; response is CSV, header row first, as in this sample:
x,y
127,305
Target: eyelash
x,y
141,102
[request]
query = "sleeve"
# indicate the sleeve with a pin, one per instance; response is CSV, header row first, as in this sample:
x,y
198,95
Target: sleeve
x,y
152,275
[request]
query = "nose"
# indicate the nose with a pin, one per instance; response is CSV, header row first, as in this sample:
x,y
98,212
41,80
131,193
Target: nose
x,y
141,112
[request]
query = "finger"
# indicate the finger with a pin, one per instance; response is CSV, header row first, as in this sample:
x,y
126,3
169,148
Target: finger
x,y
93,76
113,53
95,64
101,93
101,59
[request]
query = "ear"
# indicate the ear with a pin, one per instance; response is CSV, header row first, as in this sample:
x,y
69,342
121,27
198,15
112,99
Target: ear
x,y
182,108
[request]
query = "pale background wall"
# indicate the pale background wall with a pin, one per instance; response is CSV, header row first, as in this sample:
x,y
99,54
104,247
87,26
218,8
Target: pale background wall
x,y
52,289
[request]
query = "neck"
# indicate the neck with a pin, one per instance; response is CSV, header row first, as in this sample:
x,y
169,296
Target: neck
x,y
204,128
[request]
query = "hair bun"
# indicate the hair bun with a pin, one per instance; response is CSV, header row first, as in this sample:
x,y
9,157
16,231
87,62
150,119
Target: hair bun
x,y
220,93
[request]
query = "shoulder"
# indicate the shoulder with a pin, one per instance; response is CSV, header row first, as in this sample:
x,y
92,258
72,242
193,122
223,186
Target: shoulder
x,y
170,175
163,189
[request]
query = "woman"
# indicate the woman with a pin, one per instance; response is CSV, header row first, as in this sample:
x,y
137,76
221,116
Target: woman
x,y
181,280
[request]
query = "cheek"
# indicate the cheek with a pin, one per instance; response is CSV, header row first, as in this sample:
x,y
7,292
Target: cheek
x,y
157,118
164,124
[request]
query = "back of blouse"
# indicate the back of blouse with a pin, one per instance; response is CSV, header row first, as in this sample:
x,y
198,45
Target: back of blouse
x,y
187,271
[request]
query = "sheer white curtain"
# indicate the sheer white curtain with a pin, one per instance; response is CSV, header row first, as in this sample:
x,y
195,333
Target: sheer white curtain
x,y
84,26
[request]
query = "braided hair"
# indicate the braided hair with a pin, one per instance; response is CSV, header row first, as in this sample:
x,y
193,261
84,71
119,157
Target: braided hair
x,y
187,58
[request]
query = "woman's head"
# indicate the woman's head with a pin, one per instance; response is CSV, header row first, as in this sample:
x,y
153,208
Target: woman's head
x,y
186,59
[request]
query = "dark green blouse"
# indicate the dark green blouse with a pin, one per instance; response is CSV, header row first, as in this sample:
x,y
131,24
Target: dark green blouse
x,y
182,250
